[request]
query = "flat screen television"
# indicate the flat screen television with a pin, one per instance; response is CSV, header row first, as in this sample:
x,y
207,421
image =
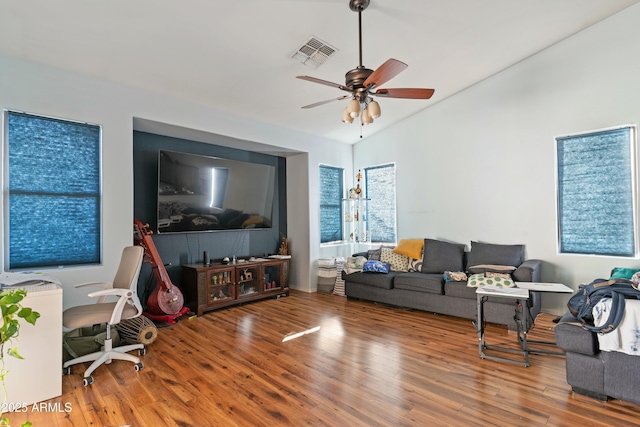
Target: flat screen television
x,y
202,193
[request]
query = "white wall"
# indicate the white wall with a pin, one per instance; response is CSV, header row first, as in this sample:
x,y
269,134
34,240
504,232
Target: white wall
x,y
480,165
33,88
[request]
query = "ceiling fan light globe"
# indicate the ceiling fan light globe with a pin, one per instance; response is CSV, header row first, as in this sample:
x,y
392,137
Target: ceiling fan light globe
x,y
346,117
353,107
366,118
374,109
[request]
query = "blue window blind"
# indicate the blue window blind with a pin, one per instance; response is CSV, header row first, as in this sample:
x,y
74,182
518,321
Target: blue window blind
x,y
596,203
381,189
331,193
53,202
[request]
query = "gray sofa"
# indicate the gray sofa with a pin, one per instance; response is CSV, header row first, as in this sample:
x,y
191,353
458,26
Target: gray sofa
x,y
427,289
595,373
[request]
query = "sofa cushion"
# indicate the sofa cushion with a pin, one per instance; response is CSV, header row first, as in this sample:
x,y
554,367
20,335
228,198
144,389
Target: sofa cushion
x,y
461,290
420,282
398,262
411,248
442,256
487,253
571,336
383,281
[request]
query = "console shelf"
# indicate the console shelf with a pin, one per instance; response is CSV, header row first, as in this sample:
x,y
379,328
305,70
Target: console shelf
x,y
208,287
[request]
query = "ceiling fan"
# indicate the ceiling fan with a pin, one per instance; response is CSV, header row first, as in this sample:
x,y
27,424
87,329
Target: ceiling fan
x,y
362,83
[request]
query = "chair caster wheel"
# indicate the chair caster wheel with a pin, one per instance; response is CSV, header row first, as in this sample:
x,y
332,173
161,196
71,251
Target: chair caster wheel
x,y
87,381
142,352
138,366
66,371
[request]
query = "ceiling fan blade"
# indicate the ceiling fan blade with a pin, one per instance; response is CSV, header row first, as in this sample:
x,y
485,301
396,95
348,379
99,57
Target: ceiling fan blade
x,y
315,104
323,82
411,93
384,73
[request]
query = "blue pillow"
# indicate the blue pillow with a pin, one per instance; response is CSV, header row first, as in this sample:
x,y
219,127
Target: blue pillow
x,y
373,266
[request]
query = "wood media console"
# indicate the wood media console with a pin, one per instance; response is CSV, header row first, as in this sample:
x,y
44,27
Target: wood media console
x,y
216,285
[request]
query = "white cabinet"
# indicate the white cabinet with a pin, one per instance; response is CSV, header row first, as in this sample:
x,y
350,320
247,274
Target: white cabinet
x,y
38,376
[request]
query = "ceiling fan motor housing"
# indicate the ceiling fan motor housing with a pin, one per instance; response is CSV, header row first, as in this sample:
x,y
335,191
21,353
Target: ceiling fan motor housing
x,y
355,79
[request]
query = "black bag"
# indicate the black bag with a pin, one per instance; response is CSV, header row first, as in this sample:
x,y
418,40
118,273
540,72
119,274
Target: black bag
x,y
581,304
87,340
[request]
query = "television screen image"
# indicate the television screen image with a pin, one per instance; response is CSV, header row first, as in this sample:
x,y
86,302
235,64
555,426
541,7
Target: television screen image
x,y
202,193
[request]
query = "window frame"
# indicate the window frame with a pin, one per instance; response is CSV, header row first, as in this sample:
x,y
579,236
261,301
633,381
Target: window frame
x,y
339,203
93,136
371,204
578,138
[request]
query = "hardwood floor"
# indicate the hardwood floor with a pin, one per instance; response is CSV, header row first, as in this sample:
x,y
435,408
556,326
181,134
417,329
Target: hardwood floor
x,y
321,360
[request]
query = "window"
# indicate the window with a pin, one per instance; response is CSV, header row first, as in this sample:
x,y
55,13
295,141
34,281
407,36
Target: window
x,y
331,193
52,198
381,189
596,193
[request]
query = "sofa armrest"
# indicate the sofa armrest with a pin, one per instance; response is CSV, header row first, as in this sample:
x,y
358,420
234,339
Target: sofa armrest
x,y
528,271
572,337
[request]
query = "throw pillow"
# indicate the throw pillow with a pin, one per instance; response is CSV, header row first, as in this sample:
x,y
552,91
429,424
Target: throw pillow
x,y
374,254
415,265
398,262
373,266
442,256
490,274
486,253
483,268
410,247
354,264
479,279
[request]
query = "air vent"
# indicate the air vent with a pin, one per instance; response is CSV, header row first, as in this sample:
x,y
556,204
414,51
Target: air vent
x,y
314,52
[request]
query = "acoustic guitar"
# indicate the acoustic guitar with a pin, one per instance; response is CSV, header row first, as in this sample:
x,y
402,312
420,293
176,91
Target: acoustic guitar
x,y
166,298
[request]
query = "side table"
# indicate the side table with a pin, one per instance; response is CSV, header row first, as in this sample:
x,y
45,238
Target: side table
x,y
541,287
520,296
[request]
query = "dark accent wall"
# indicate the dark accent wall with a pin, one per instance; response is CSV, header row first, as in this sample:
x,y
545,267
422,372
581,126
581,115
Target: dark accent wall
x,y
187,248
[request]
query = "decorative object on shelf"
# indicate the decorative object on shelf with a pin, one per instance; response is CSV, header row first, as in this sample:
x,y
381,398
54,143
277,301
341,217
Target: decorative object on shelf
x,y
225,260
358,177
284,246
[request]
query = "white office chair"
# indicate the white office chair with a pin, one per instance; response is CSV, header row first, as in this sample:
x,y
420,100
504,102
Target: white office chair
x,y
127,306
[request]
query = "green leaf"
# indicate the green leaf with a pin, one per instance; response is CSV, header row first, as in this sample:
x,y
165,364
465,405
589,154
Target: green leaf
x,y
12,297
11,330
32,317
14,352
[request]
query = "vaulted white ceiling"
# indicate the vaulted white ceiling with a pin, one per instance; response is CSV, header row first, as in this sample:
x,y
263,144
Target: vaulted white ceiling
x,y
234,55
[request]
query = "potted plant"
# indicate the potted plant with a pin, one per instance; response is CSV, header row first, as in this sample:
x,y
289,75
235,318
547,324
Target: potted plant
x,y
12,311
